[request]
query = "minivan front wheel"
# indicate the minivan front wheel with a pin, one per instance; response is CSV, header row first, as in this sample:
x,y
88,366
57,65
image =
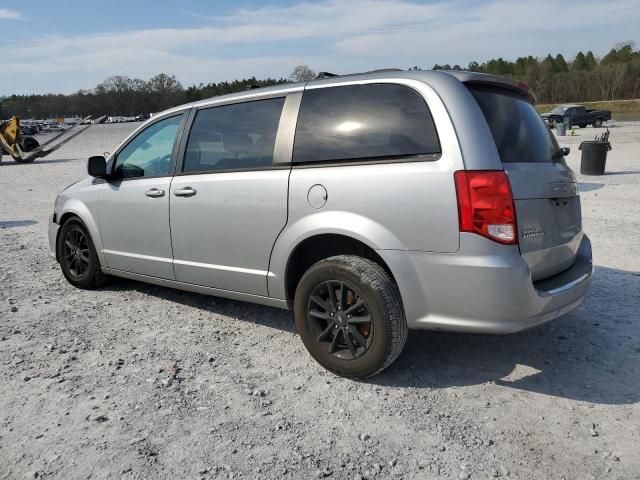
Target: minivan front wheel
x,y
77,256
350,317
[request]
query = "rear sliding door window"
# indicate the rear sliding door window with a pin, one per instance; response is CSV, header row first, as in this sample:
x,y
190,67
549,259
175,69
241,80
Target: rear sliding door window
x,y
234,137
518,130
359,122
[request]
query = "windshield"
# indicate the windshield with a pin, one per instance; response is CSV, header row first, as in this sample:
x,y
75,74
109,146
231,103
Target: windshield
x,y
559,110
519,132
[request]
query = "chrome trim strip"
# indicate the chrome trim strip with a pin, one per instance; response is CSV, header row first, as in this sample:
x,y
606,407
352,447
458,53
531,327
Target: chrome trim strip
x,y
283,147
137,255
570,285
225,268
210,266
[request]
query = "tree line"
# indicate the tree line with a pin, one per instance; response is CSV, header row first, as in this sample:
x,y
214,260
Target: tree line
x,y
122,96
616,76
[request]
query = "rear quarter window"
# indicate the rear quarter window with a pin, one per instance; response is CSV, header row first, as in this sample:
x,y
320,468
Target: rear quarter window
x,y
518,130
358,122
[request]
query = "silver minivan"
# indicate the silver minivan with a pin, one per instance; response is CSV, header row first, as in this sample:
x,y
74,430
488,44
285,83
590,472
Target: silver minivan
x,y
369,204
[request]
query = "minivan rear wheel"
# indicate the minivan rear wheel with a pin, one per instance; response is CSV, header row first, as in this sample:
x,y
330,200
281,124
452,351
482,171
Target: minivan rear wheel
x,y
349,315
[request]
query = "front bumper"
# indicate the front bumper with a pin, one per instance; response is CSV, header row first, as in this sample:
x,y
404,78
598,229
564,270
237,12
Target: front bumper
x,y
484,288
53,235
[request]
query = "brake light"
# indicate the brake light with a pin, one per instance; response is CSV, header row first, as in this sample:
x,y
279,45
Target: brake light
x,y
485,205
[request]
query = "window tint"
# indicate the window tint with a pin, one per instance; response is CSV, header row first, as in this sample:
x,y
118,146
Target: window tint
x,y
363,121
149,153
518,130
238,136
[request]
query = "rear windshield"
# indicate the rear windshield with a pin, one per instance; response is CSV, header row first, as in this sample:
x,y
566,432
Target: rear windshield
x,y
518,130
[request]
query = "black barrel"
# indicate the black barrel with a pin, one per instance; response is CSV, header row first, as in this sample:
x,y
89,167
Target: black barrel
x,y
594,157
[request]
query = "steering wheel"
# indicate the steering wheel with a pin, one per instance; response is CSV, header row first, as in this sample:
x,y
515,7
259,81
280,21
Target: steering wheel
x,y
159,166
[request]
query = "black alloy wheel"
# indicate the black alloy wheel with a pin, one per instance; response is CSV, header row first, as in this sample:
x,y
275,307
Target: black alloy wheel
x,y
75,251
77,256
340,319
349,315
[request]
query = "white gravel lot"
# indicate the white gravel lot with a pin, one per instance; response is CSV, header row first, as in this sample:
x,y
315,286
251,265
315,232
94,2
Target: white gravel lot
x,y
137,381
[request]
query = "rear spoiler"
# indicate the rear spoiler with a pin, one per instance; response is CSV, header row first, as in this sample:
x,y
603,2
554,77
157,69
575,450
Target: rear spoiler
x,y
476,78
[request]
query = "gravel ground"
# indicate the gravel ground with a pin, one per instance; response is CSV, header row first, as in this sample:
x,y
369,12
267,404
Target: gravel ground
x,y
136,381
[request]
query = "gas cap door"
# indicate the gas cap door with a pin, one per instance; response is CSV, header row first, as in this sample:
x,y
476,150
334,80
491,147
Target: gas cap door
x,y
317,196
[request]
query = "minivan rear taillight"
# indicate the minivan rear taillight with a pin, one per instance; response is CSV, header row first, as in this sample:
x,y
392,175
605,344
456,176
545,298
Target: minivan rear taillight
x,y
485,205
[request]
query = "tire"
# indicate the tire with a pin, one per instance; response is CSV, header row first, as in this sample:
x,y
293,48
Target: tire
x,y
82,270
597,123
27,144
583,125
341,339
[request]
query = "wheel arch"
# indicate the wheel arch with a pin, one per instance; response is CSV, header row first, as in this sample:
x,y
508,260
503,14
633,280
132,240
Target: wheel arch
x,y
347,228
76,209
319,246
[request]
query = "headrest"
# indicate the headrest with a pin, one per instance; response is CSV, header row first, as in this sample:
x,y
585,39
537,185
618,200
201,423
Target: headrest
x,y
204,135
238,142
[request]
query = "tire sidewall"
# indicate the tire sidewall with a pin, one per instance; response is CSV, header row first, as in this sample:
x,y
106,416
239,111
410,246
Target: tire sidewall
x,y
86,280
373,359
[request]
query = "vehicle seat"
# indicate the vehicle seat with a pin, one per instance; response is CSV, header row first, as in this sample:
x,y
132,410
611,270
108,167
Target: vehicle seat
x,y
193,160
240,144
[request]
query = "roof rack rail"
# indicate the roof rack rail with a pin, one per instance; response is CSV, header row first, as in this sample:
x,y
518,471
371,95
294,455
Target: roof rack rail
x,y
378,70
322,75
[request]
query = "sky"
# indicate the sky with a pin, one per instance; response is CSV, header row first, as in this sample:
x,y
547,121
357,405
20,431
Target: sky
x,y
62,46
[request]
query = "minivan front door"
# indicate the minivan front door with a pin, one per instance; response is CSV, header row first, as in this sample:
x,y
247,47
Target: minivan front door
x,y
133,208
229,203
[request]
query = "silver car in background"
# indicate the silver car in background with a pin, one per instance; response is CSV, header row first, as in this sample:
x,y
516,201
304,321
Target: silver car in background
x,y
369,204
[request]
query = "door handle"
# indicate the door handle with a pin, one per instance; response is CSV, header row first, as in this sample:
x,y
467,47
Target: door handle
x,y
185,192
154,193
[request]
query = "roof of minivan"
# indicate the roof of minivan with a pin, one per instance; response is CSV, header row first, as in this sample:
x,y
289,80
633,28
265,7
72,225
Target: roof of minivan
x,y
427,76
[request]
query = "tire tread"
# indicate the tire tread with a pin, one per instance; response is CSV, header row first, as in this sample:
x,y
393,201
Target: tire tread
x,y
98,279
377,278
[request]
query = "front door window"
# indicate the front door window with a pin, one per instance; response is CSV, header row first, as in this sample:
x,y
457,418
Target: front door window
x,y
149,153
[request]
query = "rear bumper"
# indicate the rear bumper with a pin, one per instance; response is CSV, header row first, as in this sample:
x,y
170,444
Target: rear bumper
x,y
484,288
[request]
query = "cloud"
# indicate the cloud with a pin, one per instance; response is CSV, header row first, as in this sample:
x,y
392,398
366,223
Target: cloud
x,y
332,35
6,14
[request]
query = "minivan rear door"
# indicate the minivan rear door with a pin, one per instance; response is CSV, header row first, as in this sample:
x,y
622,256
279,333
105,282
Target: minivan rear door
x,y
544,187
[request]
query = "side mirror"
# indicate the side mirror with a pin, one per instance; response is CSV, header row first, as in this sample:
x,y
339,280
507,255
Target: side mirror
x,y
564,151
97,166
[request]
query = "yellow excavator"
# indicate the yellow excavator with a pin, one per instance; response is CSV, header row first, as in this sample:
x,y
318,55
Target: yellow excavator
x,y
25,148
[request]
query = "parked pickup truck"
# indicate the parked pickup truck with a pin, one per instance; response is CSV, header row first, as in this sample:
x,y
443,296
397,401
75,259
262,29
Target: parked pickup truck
x,y
572,115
